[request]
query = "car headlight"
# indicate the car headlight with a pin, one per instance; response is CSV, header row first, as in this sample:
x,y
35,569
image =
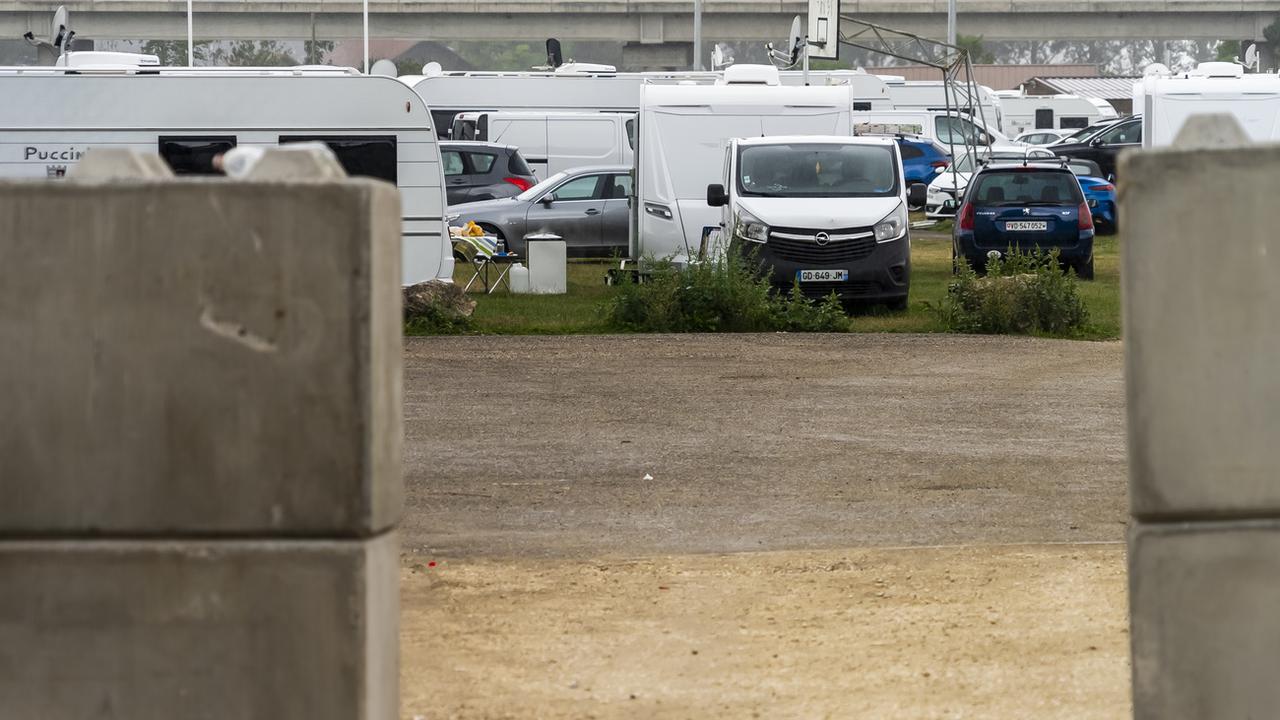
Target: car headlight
x,y
893,226
749,227
657,210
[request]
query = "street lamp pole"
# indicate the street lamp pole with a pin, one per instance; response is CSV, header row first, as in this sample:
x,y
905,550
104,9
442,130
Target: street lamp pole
x,y
951,22
697,34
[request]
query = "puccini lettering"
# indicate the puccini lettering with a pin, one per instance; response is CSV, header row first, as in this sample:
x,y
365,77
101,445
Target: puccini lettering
x,y
32,152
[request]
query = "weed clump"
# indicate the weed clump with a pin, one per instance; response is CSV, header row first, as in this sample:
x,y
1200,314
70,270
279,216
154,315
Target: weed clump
x,y
1023,293
437,308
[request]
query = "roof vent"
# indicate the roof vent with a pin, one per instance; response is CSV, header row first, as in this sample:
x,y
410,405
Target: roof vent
x,y
1217,69
751,75
100,58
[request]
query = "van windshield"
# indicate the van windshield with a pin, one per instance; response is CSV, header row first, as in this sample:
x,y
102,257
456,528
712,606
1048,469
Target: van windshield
x,y
817,170
463,129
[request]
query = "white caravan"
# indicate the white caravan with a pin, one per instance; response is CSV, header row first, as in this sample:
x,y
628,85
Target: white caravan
x,y
1212,88
932,95
553,142
683,134
954,129
826,213
376,126
1023,113
450,93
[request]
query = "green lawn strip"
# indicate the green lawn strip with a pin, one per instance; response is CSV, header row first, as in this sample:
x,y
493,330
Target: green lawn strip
x,y
579,311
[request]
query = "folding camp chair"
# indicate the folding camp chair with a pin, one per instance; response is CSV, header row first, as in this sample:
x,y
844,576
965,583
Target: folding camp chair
x,y
481,253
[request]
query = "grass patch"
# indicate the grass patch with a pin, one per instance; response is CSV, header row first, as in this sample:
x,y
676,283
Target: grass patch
x,y
582,310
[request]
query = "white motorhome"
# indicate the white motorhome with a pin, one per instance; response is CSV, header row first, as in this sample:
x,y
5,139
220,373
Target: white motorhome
x,y
948,130
553,142
683,134
932,95
376,126
450,93
828,214
1024,112
1167,101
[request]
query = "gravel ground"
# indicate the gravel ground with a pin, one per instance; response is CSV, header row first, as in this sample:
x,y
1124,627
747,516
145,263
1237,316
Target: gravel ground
x,y
540,446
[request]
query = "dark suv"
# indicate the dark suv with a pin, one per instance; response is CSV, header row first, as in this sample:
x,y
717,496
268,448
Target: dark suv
x,y
1025,207
1104,146
476,171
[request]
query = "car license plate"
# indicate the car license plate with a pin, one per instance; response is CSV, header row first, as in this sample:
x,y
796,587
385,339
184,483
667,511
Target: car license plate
x,y
1026,225
822,275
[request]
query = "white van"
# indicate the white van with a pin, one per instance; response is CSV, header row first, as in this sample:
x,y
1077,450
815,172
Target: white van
x,y
681,149
553,142
954,129
932,95
826,213
1023,113
1212,88
377,127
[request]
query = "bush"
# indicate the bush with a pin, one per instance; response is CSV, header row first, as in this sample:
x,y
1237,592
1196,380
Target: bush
x,y
727,295
436,308
1022,293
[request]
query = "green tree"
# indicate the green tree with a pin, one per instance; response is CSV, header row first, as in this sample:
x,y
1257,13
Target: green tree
x,y
978,53
173,53
261,53
1228,50
318,52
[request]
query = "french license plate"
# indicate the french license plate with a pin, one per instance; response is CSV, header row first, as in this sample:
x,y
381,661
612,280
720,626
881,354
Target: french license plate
x,y
822,275
1026,225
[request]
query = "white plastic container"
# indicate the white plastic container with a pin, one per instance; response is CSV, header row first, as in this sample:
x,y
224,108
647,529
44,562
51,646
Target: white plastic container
x,y
548,264
519,278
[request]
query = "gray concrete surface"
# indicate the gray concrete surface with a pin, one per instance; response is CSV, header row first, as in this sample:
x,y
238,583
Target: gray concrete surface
x,y
1205,637
1202,333
201,630
183,361
540,446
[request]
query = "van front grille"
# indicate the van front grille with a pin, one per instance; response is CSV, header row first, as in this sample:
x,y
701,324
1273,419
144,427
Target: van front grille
x,y
805,248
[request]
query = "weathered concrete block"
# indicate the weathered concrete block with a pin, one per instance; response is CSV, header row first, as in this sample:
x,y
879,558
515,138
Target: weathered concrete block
x,y
119,164
200,357
199,630
1202,331
1203,599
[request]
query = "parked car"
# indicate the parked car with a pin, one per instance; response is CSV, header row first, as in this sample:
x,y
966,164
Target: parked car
x,y
1085,133
1025,207
1100,193
483,171
922,160
1105,146
946,189
588,207
1041,137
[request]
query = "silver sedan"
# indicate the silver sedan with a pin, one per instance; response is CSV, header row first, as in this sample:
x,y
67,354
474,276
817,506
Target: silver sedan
x,y
587,206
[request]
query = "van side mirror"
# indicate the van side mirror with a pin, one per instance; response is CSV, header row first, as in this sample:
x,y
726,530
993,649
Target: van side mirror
x,y
716,196
917,194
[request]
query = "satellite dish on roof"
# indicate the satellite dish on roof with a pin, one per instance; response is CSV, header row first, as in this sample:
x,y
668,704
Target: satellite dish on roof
x,y
433,69
58,29
1157,70
383,67
717,57
1251,58
795,44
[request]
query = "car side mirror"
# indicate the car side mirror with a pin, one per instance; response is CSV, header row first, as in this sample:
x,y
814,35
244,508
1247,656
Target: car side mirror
x,y
716,196
1093,202
940,169
546,200
1111,177
950,204
1096,142
917,194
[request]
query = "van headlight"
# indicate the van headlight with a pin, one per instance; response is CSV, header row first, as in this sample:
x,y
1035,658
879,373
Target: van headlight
x,y
748,227
893,226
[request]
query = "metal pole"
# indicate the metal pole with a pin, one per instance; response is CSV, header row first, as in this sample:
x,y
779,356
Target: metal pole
x,y
311,56
191,45
804,53
366,37
697,35
951,22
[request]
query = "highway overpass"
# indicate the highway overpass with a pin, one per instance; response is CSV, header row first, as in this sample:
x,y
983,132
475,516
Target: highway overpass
x,y
651,22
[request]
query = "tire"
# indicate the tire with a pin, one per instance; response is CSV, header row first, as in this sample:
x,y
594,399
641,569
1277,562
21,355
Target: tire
x,y
1084,270
897,304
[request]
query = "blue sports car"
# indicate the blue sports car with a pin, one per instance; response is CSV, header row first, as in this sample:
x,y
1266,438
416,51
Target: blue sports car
x,y
1099,192
922,159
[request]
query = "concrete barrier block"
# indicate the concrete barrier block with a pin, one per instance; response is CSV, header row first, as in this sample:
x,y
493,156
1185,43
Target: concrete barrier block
x,y
312,161
201,630
1202,331
119,164
200,357
1203,600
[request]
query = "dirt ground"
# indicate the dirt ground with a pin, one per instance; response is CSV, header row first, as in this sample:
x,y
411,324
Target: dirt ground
x,y
832,526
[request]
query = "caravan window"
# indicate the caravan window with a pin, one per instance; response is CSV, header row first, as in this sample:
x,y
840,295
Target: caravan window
x,y
194,155
1044,119
361,155
1071,123
631,133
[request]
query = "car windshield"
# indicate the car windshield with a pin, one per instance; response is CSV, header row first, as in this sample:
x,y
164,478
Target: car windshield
x,y
817,170
1025,187
536,191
